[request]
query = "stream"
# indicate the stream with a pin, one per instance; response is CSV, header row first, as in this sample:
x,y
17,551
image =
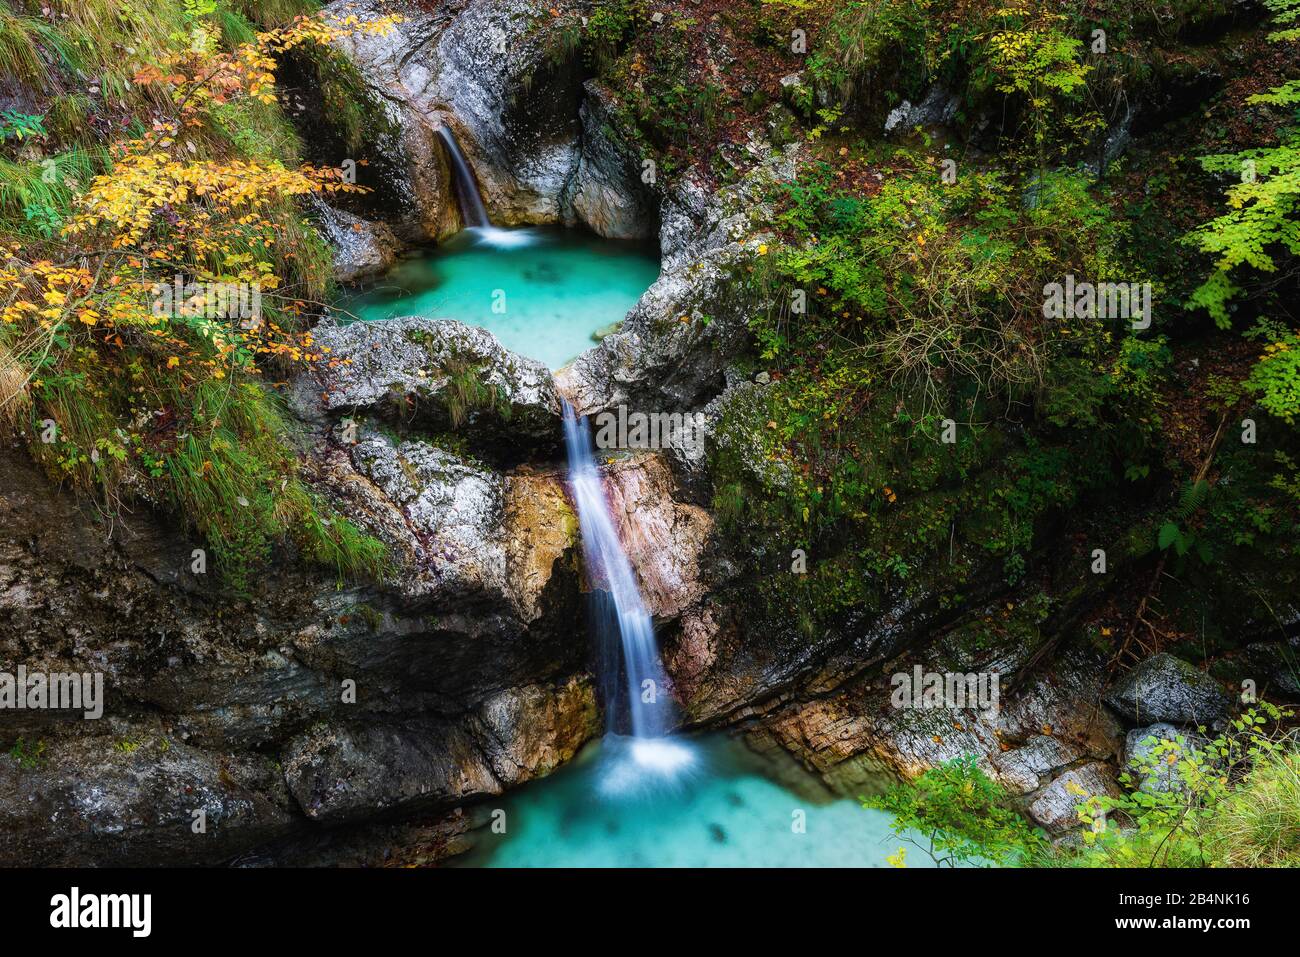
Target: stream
x,y
648,799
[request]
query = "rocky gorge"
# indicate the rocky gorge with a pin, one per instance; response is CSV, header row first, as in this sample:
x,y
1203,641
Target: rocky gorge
x,y
316,720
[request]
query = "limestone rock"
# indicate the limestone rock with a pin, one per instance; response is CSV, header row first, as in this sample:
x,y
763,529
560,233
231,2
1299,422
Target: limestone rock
x,y
484,70
541,528
362,249
937,108
104,802
605,191
1165,688
663,538
678,343
1141,743
1056,806
341,772
453,509
435,374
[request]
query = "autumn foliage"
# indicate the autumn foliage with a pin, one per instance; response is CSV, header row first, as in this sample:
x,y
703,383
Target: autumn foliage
x,y
114,385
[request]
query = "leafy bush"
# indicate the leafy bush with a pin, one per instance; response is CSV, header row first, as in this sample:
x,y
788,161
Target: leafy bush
x,y
959,816
114,393
1218,803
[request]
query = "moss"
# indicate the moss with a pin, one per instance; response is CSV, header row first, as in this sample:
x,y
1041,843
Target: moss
x,y
29,754
373,618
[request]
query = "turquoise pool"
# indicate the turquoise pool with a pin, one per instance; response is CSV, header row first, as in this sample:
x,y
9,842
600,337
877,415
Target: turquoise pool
x,y
542,291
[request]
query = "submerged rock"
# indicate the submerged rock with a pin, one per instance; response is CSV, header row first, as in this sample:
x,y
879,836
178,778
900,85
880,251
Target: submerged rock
x,y
1168,689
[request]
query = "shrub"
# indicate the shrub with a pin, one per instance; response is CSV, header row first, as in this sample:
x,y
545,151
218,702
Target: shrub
x,y
957,815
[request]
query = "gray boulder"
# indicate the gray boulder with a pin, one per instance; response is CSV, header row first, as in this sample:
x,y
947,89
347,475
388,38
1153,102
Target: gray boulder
x,y
1056,807
438,375
1165,688
1142,744
362,249
939,107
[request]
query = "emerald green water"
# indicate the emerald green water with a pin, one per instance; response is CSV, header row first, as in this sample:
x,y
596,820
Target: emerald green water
x,y
720,807
542,291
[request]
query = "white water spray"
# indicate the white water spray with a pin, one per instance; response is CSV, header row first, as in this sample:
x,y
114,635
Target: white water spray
x,y
472,212
607,563
623,625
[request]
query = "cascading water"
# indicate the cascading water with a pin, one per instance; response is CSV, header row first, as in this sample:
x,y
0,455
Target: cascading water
x,y
632,676
472,210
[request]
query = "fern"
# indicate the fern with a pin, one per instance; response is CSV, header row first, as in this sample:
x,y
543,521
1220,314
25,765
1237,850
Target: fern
x,y
1178,535
1193,497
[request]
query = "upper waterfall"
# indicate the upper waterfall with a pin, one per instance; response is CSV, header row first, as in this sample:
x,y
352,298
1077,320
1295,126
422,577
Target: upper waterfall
x,y
472,210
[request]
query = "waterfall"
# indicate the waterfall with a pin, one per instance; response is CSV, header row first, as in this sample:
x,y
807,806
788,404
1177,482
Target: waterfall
x,y
625,631
472,211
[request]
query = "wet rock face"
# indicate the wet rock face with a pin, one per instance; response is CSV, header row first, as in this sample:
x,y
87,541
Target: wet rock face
x,y
138,802
516,112
605,191
362,249
476,643
341,773
680,343
664,538
1165,688
539,150
428,209
1038,740
438,375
